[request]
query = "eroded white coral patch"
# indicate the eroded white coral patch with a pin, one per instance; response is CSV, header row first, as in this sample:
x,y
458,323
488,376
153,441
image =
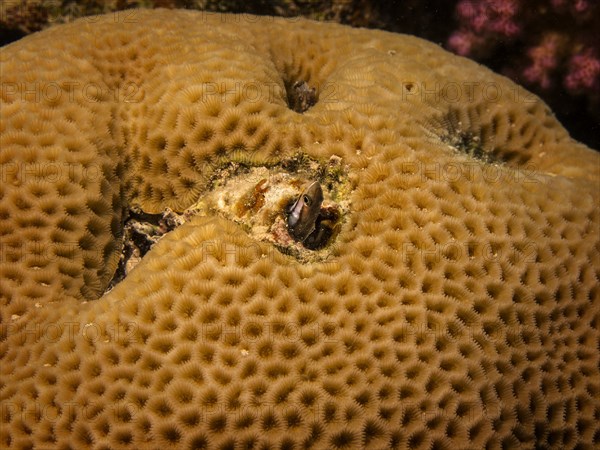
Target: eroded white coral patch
x,y
258,199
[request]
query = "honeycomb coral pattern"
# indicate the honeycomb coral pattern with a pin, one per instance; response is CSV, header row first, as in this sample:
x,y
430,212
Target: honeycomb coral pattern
x,y
460,308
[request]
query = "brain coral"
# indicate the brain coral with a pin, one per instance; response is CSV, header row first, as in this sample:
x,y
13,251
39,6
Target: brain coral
x,y
459,307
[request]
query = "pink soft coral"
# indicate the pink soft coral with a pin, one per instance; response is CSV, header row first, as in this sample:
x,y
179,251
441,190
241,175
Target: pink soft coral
x,y
544,60
547,45
497,16
583,72
482,21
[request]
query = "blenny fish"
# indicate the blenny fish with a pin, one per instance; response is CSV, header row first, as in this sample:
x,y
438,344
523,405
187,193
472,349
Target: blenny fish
x,y
303,214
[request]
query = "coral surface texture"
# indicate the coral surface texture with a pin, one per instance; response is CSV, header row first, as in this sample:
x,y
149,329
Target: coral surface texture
x,y
457,306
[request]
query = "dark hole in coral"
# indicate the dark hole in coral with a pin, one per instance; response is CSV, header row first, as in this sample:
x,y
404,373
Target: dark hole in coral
x,y
326,227
300,96
140,232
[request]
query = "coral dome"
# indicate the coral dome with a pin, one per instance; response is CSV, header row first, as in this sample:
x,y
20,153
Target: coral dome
x,y
456,305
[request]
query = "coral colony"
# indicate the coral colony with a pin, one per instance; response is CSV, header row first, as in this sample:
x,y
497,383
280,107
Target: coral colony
x,y
227,232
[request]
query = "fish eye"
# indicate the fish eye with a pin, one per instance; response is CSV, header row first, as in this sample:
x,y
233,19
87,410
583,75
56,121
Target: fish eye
x,y
306,199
